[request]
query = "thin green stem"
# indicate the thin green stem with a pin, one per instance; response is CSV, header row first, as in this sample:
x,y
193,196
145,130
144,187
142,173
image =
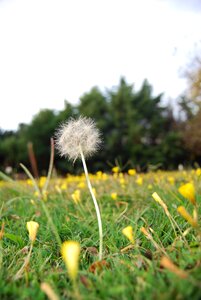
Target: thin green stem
x,y
32,178
53,227
50,166
95,204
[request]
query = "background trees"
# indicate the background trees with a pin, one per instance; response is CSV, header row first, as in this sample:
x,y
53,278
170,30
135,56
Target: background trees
x,y
138,131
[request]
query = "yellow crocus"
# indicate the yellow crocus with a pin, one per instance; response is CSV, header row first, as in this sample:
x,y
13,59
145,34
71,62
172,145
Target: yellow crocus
x,y
183,212
76,196
113,196
131,172
70,251
139,181
198,171
171,180
128,232
32,228
115,169
188,191
42,181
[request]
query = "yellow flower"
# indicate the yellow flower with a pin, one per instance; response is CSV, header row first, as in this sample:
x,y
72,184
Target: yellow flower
x,y
171,180
42,181
32,228
158,199
33,202
70,251
122,181
188,191
81,185
198,172
150,187
104,176
115,169
128,232
182,211
76,196
29,182
99,174
113,196
131,172
64,186
139,181
36,194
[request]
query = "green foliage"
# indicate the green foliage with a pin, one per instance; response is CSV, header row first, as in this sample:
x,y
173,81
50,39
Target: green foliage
x,y
136,129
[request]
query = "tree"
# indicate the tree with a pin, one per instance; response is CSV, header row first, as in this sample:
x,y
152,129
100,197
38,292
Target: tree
x,y
94,104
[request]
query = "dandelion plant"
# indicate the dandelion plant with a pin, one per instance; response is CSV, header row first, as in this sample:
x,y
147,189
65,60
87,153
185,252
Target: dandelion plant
x,y
79,139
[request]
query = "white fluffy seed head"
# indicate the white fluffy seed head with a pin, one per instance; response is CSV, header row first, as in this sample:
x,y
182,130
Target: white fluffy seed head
x,y
76,133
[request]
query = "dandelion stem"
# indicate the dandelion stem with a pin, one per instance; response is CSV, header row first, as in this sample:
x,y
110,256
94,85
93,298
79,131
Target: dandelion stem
x,y
95,204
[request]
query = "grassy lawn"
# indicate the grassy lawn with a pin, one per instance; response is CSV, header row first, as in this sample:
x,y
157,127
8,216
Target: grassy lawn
x,y
164,262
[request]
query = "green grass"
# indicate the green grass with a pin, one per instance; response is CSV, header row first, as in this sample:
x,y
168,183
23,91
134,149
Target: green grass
x,y
133,274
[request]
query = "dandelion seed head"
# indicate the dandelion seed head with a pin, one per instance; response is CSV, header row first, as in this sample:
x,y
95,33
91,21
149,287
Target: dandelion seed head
x,y
76,133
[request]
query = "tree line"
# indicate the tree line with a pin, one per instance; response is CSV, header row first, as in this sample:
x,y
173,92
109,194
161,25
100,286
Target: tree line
x,y
138,131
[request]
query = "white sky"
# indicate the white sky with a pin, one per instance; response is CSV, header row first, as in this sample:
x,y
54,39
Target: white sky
x,y
51,50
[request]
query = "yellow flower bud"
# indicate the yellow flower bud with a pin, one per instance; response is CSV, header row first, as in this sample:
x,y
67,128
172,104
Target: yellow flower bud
x,y
113,196
32,228
188,191
182,211
70,251
76,196
131,172
128,232
115,169
139,180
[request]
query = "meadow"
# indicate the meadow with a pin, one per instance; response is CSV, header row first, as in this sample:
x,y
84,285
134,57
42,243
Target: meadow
x,y
151,236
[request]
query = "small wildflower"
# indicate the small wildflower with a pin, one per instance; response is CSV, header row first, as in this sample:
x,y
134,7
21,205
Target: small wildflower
x,y
139,180
198,172
75,134
36,194
128,232
115,169
99,174
33,202
32,228
80,139
29,182
131,172
104,176
64,186
171,180
122,181
70,251
158,199
182,211
81,185
188,191
113,196
42,181
76,196
150,187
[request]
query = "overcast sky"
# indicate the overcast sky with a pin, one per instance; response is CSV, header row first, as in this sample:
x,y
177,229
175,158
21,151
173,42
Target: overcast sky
x,y
51,50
